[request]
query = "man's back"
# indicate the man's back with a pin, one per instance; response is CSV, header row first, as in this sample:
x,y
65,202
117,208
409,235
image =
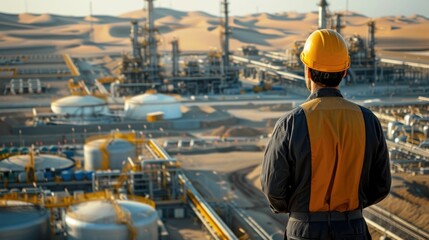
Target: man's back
x,y
329,150
336,130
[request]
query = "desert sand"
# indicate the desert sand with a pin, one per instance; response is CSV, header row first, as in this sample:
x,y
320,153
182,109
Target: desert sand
x,y
196,31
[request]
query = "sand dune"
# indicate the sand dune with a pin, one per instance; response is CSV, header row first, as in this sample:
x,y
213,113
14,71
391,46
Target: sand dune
x,y
196,31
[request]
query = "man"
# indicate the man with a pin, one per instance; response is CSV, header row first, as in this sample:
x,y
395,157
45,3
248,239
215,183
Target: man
x,y
327,159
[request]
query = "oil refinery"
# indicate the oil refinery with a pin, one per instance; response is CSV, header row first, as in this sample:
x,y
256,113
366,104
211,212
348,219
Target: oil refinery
x,y
160,144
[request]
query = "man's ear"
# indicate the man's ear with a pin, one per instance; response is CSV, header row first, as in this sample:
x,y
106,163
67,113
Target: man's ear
x,y
308,73
345,74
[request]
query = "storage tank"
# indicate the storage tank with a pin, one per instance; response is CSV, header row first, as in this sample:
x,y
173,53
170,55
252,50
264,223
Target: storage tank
x,y
23,221
99,220
80,106
118,151
140,106
409,118
42,162
391,128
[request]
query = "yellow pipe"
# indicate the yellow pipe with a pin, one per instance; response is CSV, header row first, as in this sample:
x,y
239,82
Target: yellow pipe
x,y
105,154
69,62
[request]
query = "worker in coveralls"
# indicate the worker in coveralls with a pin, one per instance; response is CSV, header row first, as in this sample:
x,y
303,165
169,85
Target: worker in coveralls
x,y
327,159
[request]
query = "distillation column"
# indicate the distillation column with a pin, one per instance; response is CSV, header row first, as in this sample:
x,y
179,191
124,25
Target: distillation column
x,y
152,42
225,44
322,14
371,46
175,57
135,39
371,40
338,25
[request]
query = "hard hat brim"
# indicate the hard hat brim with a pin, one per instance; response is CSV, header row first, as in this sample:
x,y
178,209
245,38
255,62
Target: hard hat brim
x,y
324,67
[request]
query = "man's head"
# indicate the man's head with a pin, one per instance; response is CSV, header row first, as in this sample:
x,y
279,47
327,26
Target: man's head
x,y
326,58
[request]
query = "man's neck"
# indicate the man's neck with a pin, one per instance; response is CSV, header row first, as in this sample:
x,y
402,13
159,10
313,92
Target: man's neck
x,y
315,87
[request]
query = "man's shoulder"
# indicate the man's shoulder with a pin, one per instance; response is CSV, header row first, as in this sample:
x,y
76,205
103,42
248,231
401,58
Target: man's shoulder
x,y
296,112
366,112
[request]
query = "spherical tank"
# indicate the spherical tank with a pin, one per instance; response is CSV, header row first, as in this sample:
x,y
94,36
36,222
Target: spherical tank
x,y
42,162
99,220
118,151
80,106
139,106
20,220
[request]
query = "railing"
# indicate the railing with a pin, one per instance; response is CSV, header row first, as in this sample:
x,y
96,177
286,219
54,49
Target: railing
x,y
213,223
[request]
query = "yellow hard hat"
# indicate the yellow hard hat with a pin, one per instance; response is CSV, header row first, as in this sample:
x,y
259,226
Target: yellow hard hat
x,y
326,51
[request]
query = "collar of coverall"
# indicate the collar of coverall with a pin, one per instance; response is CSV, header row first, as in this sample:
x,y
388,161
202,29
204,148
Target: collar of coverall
x,y
325,92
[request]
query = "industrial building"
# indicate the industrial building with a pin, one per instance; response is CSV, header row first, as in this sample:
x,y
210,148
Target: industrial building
x,y
142,69
121,190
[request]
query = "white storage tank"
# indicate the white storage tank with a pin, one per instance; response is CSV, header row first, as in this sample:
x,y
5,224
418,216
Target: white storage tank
x,y
118,151
410,118
99,220
392,128
23,221
42,162
80,106
140,106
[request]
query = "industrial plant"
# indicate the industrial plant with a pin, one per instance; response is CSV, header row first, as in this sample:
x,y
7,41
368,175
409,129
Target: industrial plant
x,y
101,154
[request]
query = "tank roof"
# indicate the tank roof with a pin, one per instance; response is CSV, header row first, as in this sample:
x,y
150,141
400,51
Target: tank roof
x,y
79,101
152,98
41,162
103,211
113,143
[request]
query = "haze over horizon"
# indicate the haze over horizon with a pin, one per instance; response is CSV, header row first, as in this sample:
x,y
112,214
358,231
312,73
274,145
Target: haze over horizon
x,y
369,8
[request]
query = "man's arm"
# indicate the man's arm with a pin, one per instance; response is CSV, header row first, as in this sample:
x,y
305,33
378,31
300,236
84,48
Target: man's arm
x,y
380,178
275,169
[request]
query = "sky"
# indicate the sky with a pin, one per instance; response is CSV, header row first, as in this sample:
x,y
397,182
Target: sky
x,y
371,8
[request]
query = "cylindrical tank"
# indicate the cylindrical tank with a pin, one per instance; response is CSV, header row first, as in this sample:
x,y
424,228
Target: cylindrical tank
x,y
391,127
88,175
80,106
79,175
22,177
49,175
98,220
23,150
118,151
43,149
409,118
40,176
23,221
53,149
4,150
140,106
13,150
66,175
